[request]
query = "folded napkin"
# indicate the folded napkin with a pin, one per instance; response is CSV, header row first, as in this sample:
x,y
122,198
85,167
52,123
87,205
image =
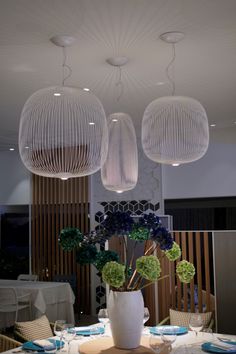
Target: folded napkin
x,y
43,343
225,346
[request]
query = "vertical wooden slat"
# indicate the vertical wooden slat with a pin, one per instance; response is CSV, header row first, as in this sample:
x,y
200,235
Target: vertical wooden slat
x,y
190,251
179,286
41,253
207,271
184,256
33,227
57,207
73,189
199,270
86,209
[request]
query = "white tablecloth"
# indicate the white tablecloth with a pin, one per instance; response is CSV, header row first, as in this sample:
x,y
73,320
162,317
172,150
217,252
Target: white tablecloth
x,y
54,299
187,343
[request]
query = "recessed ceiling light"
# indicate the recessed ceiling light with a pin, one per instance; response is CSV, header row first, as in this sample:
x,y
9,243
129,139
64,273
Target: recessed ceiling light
x,y
86,89
26,147
64,178
11,149
57,94
175,164
91,123
119,191
212,125
114,120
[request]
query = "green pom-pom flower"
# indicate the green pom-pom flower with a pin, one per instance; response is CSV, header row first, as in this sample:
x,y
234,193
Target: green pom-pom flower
x,y
103,257
149,267
113,274
174,253
70,238
185,271
139,234
86,254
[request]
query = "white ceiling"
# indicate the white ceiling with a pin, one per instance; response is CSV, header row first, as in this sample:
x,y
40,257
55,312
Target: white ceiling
x,y
204,65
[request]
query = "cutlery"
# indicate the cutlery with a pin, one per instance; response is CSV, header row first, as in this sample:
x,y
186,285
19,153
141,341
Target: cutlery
x,y
223,339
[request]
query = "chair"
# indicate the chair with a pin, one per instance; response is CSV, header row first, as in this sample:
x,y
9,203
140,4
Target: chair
x,y
33,330
27,277
181,318
10,302
7,343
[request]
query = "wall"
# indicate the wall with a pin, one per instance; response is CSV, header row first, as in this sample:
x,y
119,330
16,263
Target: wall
x,y
225,286
14,180
214,175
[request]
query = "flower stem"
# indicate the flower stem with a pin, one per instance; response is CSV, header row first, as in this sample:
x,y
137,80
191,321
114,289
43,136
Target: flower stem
x,y
152,282
132,278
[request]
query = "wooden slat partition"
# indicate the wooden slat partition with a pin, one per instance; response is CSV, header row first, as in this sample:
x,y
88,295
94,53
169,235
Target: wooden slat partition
x,y
191,259
58,204
199,269
196,248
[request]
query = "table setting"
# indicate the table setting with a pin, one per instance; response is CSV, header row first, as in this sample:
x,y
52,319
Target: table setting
x,y
97,338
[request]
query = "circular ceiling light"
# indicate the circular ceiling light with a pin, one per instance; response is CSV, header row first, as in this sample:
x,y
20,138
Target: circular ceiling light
x,y
57,130
174,128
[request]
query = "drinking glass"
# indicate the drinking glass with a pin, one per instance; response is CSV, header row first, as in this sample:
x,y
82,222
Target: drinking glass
x,y
146,315
103,317
168,336
69,333
156,343
58,329
195,323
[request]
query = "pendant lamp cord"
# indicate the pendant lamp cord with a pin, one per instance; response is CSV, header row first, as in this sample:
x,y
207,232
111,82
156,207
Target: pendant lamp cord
x,y
171,78
65,67
119,84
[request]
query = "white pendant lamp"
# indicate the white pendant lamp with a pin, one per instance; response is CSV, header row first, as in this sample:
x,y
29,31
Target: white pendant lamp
x,y
63,130
120,171
175,129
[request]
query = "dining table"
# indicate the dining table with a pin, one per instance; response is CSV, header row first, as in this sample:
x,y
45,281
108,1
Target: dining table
x,y
54,299
188,343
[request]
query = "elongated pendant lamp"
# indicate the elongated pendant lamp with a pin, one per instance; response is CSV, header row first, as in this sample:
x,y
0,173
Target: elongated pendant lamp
x,y
175,129
120,171
63,130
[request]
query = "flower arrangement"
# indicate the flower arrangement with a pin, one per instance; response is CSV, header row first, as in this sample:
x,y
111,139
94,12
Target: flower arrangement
x,y
133,274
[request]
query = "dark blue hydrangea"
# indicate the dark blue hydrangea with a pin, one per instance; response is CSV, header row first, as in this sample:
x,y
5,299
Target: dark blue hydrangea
x,y
118,223
163,237
150,221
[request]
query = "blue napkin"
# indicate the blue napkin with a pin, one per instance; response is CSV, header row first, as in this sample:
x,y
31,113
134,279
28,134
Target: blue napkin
x,y
219,348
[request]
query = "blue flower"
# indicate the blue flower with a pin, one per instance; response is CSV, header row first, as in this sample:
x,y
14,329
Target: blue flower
x,y
118,223
163,237
150,221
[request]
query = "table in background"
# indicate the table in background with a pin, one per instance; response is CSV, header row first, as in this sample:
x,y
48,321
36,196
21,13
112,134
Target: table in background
x,y
54,299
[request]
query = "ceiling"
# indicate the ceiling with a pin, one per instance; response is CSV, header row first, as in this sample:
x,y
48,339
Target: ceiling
x,y
204,66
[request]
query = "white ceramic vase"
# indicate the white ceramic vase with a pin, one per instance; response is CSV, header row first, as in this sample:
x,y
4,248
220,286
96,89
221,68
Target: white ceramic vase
x,y
126,311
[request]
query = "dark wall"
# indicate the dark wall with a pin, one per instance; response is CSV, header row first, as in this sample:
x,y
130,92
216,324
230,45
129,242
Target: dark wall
x,y
202,213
